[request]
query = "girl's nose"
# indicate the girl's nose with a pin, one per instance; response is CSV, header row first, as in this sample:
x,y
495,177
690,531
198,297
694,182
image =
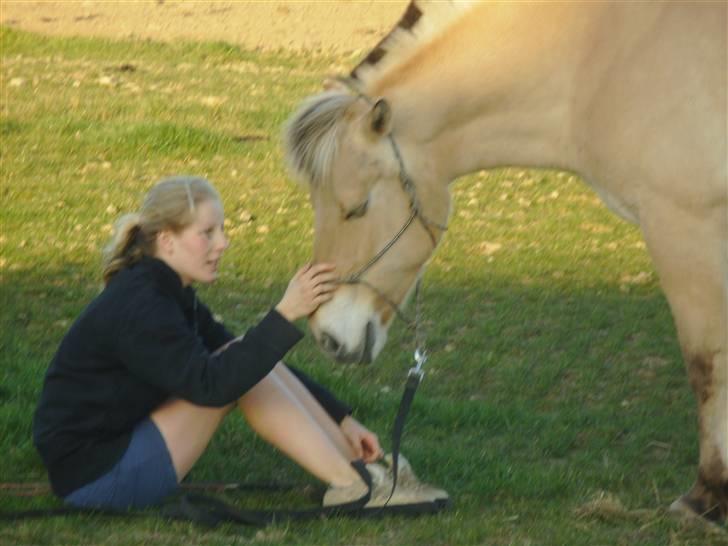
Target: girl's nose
x,y
222,241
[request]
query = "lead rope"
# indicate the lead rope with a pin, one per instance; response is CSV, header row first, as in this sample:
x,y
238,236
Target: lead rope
x,y
414,378
211,512
416,373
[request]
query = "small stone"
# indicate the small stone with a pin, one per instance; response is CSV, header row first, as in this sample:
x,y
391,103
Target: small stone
x,y
487,248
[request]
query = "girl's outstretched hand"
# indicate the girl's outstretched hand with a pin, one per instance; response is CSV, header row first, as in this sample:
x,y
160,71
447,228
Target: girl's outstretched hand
x,y
311,286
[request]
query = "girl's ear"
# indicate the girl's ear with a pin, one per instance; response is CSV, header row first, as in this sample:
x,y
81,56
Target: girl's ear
x,y
165,244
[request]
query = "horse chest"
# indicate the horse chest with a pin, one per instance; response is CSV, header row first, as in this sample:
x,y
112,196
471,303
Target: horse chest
x,y
616,202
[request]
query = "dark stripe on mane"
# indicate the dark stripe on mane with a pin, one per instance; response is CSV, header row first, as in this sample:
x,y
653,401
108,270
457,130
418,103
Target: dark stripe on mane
x,y
408,20
375,55
410,17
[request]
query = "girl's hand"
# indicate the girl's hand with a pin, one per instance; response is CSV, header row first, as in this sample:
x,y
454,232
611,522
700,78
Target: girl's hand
x,y
363,441
311,286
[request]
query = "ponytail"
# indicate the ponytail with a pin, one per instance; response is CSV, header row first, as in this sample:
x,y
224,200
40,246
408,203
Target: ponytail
x,y
127,246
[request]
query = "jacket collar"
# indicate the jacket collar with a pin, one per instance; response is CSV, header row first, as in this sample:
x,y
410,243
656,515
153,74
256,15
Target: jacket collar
x,y
167,279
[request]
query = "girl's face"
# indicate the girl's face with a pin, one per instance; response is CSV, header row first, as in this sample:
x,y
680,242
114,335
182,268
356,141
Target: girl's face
x,y
194,253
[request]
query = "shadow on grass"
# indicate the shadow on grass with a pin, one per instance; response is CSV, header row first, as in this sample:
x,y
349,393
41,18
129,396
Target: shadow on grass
x,y
531,392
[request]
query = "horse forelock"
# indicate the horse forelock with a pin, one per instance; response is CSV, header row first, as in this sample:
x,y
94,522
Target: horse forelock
x,y
422,22
311,135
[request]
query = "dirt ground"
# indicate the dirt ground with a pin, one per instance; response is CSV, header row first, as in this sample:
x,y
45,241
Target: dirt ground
x,y
340,26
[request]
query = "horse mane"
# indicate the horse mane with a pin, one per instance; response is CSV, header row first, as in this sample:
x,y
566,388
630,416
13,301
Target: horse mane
x,y
310,136
422,22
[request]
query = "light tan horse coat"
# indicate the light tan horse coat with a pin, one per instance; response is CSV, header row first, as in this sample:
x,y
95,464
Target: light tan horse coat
x,y
631,96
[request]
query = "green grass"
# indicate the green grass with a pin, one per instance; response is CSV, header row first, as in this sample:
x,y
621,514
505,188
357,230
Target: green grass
x,y
555,409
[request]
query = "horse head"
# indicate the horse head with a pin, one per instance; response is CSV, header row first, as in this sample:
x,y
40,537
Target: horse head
x,y
379,212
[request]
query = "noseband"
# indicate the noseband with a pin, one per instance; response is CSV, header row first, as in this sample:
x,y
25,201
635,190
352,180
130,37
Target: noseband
x,y
415,213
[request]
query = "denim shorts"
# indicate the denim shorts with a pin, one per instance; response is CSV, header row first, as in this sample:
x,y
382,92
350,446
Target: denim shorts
x,y
143,477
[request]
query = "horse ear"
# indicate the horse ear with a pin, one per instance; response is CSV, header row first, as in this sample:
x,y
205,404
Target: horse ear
x,y
380,118
333,83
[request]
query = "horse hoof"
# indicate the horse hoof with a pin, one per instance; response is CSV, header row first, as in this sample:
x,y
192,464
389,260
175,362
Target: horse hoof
x,y
683,508
680,508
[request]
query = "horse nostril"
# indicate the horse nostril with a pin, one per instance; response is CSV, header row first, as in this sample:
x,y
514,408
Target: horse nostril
x,y
329,344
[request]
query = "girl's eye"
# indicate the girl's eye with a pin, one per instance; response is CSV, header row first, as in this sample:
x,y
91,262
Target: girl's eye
x,y
357,212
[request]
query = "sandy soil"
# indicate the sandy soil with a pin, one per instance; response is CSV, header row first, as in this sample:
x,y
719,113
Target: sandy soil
x,y
336,26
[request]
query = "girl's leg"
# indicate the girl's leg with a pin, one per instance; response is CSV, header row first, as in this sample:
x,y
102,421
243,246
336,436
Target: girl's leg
x,y
277,414
301,429
312,405
187,429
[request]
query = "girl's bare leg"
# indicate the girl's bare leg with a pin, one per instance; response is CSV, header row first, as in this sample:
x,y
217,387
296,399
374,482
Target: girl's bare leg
x,y
313,407
281,418
187,429
289,418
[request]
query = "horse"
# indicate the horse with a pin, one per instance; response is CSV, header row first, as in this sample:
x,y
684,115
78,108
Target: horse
x,y
630,96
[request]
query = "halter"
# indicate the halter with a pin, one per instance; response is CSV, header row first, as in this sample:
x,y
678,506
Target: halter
x,y
415,213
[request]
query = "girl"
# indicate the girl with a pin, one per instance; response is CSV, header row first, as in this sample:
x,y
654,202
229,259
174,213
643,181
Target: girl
x,y
145,375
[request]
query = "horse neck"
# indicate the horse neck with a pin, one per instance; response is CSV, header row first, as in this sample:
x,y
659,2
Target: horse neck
x,y
506,103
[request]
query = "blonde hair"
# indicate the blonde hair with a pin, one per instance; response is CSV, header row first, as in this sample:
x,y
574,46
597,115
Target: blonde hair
x,y
170,205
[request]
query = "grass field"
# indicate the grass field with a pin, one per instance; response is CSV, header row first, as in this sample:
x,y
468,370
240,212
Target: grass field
x,y
556,409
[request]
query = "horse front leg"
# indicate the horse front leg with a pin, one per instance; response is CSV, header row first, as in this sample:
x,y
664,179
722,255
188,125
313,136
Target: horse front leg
x,y
690,252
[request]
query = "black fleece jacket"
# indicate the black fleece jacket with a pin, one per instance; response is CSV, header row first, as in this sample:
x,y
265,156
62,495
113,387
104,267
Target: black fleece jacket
x,y
143,340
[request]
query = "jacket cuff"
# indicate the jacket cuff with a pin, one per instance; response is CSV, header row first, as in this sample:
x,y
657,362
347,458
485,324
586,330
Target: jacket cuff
x,y
275,326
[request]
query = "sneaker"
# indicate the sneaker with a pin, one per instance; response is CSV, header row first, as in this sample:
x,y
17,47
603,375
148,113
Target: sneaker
x,y
406,494
336,495
407,479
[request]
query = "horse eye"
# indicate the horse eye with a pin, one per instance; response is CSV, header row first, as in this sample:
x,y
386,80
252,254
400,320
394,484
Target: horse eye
x,y
358,212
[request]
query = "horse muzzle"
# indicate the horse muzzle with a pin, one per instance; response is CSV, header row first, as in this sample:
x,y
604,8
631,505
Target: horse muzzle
x,y
348,331
362,354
